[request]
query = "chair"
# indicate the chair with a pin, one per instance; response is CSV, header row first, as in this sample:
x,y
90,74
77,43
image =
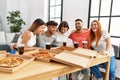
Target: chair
x,y
5,47
116,50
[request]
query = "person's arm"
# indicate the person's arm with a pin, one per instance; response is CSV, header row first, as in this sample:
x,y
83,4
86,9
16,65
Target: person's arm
x,y
108,44
106,36
25,36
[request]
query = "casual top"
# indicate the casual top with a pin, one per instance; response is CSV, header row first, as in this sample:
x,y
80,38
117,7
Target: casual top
x,y
43,39
102,43
30,42
60,38
80,37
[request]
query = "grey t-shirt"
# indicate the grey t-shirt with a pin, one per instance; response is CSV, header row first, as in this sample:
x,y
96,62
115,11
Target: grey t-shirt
x,y
102,43
43,39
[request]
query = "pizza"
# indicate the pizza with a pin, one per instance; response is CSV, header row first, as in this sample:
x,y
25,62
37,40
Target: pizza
x,y
43,54
10,61
66,48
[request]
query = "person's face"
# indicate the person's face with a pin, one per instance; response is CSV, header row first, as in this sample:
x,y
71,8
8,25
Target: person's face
x,y
63,30
94,26
40,29
52,29
78,25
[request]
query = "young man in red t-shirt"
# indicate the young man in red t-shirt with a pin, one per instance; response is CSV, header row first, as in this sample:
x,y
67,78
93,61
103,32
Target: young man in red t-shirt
x,y
81,34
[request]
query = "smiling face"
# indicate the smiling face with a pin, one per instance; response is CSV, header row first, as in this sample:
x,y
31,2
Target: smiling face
x,y
63,30
94,27
52,29
40,30
78,25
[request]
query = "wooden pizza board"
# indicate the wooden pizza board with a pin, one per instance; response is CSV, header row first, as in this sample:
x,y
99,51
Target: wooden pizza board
x,y
82,51
27,60
73,59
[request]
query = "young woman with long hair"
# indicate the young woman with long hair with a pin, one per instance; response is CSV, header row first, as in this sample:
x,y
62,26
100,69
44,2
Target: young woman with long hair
x,y
100,41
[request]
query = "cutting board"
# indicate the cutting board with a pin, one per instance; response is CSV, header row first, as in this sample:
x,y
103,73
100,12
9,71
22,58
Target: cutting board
x,y
27,59
91,53
73,59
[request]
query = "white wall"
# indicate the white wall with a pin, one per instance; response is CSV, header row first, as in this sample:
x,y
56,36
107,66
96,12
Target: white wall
x,y
73,9
30,10
3,14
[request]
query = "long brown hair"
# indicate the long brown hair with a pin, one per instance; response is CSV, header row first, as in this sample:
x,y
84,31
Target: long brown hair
x,y
38,22
92,34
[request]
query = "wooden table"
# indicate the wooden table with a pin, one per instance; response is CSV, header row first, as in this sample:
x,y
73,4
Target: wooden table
x,y
38,70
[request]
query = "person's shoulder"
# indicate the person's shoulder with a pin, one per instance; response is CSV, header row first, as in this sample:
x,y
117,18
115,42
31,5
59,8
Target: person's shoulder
x,y
26,33
43,34
104,32
85,30
73,32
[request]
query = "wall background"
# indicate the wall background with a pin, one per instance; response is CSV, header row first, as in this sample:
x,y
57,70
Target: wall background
x,y
32,9
73,9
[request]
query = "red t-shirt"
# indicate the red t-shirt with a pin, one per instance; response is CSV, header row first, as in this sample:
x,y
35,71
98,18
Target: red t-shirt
x,y
79,37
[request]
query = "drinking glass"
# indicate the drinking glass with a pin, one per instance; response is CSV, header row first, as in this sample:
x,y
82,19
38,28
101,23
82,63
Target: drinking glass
x,y
21,49
48,46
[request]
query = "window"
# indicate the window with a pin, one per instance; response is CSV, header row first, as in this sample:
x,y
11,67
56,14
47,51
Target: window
x,y
108,13
55,10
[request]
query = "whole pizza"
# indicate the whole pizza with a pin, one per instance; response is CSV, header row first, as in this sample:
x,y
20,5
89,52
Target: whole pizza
x,y
10,61
66,48
43,54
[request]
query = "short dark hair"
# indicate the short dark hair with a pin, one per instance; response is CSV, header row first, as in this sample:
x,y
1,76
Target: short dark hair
x,y
63,24
78,20
52,23
38,22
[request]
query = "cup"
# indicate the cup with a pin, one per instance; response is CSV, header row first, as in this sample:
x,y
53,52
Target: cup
x,y
84,44
64,43
21,49
75,44
48,46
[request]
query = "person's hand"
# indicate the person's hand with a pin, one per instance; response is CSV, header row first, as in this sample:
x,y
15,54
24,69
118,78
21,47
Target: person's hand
x,y
14,46
105,52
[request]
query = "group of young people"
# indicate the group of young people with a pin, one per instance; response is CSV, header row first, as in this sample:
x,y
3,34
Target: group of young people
x,y
96,38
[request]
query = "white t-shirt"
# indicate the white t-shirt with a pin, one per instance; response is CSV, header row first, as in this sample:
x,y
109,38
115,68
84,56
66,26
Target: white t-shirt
x,y
102,43
60,38
30,42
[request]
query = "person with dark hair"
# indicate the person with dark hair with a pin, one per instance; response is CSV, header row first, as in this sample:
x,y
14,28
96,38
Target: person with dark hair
x,y
49,35
51,23
63,34
80,35
78,20
28,37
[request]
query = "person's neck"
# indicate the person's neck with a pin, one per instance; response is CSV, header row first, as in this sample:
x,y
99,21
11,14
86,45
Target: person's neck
x,y
48,34
79,31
